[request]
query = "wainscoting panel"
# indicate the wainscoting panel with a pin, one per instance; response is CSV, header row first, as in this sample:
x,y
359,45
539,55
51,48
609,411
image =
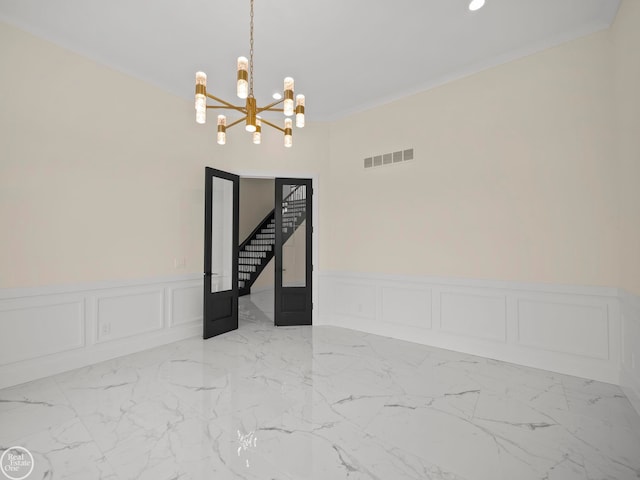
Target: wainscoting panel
x,y
554,326
630,309
478,316
44,331
121,315
39,329
186,305
355,299
568,329
411,307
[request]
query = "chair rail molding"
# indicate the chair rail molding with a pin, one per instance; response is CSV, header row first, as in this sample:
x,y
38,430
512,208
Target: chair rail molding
x,y
49,330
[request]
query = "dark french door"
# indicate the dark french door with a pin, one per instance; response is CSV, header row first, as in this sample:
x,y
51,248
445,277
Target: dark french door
x,y
293,253
220,252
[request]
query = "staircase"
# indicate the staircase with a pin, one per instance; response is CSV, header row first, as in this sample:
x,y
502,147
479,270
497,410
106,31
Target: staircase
x,y
258,249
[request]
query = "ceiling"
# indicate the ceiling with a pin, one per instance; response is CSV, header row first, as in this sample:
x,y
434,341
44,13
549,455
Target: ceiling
x,y
345,55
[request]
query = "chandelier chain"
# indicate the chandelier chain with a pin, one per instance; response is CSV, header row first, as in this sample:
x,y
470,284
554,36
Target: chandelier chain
x,y
251,53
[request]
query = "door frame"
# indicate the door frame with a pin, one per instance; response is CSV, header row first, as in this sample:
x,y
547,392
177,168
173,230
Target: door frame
x,y
272,175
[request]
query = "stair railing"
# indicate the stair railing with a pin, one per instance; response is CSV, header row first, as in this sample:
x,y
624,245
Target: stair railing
x,y
296,194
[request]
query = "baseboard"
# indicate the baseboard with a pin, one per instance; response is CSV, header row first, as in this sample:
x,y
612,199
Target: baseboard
x,y
630,313
49,330
567,329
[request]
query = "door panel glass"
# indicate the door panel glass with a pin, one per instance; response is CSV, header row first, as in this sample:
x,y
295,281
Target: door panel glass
x,y
221,235
294,227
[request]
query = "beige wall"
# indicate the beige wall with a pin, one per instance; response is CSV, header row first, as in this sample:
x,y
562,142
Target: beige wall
x,y
257,197
523,172
626,42
102,175
514,176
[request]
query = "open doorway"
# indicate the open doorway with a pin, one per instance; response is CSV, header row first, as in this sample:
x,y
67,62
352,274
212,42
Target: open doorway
x,y
288,275
257,201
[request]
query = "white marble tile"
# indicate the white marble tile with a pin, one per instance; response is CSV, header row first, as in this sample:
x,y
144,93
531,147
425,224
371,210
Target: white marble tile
x,y
318,403
599,400
42,392
339,450
36,413
67,451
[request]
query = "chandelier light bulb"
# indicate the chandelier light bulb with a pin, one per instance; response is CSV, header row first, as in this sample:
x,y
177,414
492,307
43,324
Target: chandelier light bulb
x,y
288,132
251,107
201,99
288,96
201,115
243,78
222,129
257,135
476,5
300,111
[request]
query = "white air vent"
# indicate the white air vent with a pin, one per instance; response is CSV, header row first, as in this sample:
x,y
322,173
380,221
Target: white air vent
x,y
388,158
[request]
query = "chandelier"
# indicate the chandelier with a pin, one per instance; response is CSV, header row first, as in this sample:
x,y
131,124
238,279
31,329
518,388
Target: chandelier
x,y
250,111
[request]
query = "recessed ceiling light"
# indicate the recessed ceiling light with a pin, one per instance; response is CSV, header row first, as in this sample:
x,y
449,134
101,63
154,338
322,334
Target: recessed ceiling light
x,y
277,96
476,5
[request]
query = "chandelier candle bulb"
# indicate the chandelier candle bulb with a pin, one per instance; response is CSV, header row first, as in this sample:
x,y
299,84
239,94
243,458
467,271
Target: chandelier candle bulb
x,y
243,77
288,132
288,96
257,135
300,111
222,129
201,99
251,115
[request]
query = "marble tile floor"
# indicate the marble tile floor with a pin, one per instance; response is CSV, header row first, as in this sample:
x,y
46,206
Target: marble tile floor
x,y
318,403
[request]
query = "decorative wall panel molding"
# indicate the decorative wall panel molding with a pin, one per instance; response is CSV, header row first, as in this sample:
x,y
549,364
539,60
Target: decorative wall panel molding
x,y
186,305
355,299
411,307
568,329
630,312
127,313
45,331
477,316
553,325
39,328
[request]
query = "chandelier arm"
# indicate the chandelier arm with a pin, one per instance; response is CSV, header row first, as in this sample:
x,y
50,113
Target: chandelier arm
x,y
240,120
268,107
230,105
239,109
272,125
